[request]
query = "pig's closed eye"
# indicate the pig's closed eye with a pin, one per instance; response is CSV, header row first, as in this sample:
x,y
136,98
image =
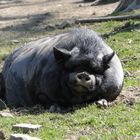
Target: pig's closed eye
x,y
98,70
105,67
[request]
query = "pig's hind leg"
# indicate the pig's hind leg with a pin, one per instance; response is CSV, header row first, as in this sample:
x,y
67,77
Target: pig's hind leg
x,y
16,92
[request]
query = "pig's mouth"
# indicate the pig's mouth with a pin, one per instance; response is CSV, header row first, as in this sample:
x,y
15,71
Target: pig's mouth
x,y
80,90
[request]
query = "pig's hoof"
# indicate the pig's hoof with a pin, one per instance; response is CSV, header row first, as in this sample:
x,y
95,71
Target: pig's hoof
x,y
54,108
102,103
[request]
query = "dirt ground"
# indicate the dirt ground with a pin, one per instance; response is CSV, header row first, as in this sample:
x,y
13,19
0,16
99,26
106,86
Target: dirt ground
x,y
15,12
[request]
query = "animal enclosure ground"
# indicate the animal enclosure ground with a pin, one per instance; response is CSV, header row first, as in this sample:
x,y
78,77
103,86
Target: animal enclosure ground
x,y
119,121
46,11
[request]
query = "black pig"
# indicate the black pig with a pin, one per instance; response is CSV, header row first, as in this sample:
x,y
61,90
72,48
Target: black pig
x,y
67,69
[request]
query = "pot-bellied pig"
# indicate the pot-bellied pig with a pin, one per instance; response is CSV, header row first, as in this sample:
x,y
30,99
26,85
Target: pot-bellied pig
x,y
66,69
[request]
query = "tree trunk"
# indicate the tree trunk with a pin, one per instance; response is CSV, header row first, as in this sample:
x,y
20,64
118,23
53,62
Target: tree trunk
x,y
124,6
127,6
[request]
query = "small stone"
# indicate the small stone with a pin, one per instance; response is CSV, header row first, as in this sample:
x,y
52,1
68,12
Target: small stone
x,y
22,137
50,27
94,13
102,103
26,127
129,41
2,135
65,24
81,5
15,41
6,114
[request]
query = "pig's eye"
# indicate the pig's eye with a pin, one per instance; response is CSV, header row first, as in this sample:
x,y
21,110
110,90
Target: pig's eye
x,y
106,67
97,70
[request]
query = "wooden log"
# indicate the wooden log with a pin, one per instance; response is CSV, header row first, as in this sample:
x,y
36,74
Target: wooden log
x,y
108,18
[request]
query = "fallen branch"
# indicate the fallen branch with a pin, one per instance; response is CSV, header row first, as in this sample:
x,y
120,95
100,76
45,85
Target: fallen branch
x,y
109,18
125,27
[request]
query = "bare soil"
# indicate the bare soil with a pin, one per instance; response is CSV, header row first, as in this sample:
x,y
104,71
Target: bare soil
x,y
15,12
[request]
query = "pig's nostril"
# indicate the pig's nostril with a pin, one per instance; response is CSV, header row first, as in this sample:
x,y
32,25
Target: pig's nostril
x,y
79,77
83,77
87,78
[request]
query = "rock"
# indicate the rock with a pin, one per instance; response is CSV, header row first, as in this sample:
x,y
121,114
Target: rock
x,y
94,13
26,127
2,135
50,27
15,41
2,105
129,41
81,5
6,114
65,24
22,137
102,103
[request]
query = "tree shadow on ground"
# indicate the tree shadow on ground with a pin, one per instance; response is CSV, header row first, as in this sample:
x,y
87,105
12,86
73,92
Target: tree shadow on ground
x,y
24,23
31,24
20,3
5,2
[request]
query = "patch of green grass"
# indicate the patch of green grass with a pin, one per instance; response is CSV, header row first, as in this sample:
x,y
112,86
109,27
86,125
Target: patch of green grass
x,y
87,123
131,81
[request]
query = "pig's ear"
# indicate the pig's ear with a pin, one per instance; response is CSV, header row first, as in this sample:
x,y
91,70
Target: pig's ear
x,y
61,54
107,58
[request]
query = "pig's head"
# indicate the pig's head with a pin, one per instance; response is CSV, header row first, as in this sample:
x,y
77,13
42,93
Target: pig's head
x,y
80,74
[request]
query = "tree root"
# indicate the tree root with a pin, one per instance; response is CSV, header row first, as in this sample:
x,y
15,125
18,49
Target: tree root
x,y
127,6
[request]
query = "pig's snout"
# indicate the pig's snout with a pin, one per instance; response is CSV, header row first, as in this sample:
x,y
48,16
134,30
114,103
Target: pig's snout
x,y
85,80
83,77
